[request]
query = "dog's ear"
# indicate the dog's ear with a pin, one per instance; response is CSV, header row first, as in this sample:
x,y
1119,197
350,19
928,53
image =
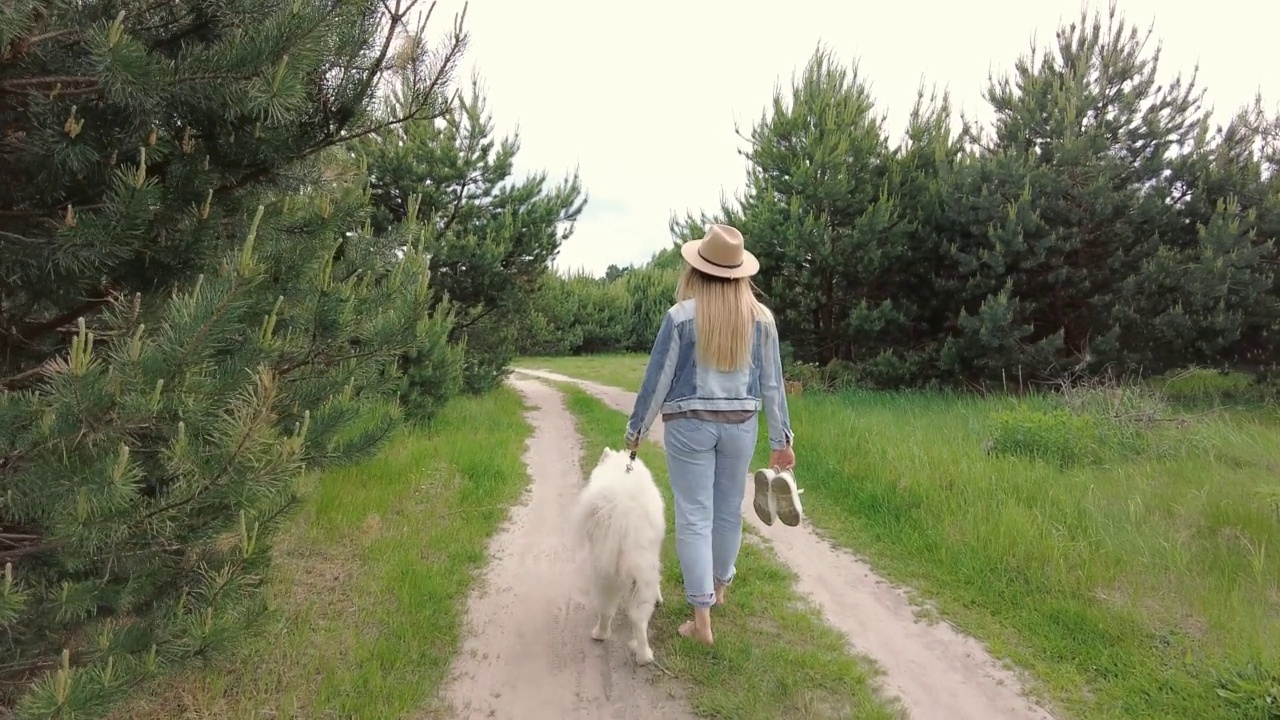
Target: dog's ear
x,y
605,455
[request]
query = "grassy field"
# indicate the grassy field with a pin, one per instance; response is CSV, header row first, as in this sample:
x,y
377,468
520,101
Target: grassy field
x,y
371,580
773,657
620,371
1134,572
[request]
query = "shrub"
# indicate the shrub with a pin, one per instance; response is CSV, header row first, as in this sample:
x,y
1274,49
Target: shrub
x,y
1082,424
1054,435
836,376
1203,386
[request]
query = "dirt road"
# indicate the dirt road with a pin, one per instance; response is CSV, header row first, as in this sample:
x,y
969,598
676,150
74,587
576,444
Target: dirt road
x,y
937,672
529,654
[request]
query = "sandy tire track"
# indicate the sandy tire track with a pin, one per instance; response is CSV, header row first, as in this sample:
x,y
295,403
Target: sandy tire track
x,y
937,672
528,652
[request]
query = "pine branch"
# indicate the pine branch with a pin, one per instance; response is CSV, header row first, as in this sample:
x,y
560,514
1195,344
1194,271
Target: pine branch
x,y
457,204
33,331
451,57
19,83
19,47
466,325
372,443
32,549
386,125
54,34
21,238
308,360
90,85
177,38
457,45
25,667
61,207
397,19
262,416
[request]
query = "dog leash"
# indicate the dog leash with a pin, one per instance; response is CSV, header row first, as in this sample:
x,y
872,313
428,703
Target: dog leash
x,y
632,461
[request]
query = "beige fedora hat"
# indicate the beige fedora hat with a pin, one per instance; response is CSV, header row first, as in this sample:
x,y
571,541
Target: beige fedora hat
x,y
721,253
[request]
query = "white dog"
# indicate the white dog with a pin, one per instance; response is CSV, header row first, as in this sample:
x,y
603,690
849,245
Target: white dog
x,y
619,518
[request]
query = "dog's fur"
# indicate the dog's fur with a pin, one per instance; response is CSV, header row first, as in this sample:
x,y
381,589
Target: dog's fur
x,y
619,518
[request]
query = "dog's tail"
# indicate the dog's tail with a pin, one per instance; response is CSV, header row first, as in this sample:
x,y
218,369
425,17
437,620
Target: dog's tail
x,y
605,537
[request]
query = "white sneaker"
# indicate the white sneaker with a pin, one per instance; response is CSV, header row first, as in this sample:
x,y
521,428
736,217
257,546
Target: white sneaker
x,y
784,498
764,502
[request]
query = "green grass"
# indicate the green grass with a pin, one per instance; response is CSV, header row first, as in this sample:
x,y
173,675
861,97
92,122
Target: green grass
x,y
1201,387
1126,585
1133,579
773,657
620,371
371,579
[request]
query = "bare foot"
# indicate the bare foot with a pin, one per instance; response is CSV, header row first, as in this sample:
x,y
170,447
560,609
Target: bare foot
x,y
691,630
721,593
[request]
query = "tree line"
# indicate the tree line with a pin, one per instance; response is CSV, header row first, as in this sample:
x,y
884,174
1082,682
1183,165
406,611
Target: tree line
x,y
1100,223
239,241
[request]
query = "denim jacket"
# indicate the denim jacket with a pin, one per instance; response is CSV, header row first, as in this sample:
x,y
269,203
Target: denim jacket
x,y
674,383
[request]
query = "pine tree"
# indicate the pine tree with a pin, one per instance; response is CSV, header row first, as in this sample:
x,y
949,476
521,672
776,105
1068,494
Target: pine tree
x,y
1082,146
233,318
650,292
490,236
1210,294
927,172
1129,232
132,129
820,216
1097,224
553,325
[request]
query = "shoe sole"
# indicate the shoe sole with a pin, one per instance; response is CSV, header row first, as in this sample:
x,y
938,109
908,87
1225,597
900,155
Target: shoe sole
x,y
787,498
761,499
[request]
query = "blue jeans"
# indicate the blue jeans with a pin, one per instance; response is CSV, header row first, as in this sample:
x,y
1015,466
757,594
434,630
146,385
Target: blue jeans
x,y
707,463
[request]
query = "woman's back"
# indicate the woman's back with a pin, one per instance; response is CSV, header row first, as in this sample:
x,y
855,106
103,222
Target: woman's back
x,y
726,315
679,380
710,365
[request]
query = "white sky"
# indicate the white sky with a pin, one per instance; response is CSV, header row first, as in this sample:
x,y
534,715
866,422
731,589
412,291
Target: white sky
x,y
643,97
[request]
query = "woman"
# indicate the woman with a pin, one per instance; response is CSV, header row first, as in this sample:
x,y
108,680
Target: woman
x,y
713,365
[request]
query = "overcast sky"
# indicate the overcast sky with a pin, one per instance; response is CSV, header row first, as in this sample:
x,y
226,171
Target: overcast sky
x,y
643,97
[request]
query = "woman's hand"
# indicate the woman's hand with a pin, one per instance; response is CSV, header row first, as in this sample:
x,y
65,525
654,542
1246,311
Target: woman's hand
x,y
784,459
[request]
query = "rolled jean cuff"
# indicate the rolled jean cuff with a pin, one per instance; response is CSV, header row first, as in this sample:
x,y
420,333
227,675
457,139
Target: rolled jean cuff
x,y
701,601
724,583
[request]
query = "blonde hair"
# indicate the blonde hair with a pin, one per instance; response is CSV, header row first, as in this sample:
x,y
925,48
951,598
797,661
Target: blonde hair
x,y
725,314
